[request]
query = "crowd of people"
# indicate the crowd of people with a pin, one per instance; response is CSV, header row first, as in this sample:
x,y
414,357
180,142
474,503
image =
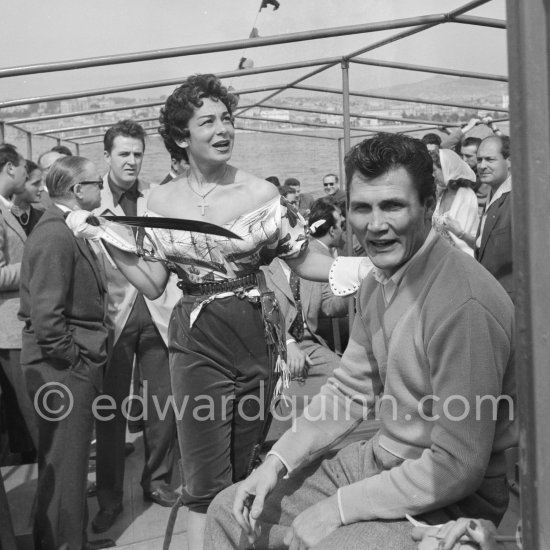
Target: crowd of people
x,y
187,317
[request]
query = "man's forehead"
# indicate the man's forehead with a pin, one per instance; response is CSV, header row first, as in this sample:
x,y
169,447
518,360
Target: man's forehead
x,y
127,143
397,176
490,148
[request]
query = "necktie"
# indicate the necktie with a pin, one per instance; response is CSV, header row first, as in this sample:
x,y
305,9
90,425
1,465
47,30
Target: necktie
x,y
296,330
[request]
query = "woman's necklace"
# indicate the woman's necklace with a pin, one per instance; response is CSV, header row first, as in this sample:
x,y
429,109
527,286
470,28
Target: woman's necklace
x,y
204,204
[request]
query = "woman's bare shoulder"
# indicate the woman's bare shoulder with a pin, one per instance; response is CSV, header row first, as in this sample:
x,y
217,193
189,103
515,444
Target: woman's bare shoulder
x,y
162,195
259,188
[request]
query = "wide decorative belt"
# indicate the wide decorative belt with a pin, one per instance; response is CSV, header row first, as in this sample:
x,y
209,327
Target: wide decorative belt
x,y
216,287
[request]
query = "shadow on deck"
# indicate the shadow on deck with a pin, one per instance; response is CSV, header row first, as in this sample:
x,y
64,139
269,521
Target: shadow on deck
x,y
142,525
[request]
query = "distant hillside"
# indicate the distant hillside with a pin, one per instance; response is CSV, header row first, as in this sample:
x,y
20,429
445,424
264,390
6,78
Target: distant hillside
x,y
447,87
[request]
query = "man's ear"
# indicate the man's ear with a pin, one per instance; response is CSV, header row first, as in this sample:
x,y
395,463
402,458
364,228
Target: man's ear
x,y
107,157
429,204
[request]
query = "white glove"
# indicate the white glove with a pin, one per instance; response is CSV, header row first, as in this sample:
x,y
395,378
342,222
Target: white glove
x,y
346,274
78,224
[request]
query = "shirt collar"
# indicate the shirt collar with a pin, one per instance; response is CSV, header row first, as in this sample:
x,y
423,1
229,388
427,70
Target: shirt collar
x,y
389,284
118,192
504,187
7,203
62,207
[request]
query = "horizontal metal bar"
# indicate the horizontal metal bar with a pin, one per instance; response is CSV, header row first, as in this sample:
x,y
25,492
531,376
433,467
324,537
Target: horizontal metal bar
x,y
219,46
480,21
56,116
101,135
166,83
94,141
296,123
400,98
261,130
132,106
427,69
86,127
355,115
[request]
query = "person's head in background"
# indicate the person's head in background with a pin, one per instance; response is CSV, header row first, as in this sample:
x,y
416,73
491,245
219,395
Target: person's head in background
x,y
290,195
13,171
431,141
468,151
62,149
33,186
274,180
124,146
45,161
327,223
75,182
330,184
293,184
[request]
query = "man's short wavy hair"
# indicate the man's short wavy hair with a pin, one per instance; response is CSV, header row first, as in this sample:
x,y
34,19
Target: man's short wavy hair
x,y
181,104
125,128
385,152
64,173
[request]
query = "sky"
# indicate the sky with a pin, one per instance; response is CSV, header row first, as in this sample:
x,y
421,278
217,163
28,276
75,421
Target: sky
x,y
59,30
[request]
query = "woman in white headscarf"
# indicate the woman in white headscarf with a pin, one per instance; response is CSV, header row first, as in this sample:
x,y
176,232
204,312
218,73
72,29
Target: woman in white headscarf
x,y
456,215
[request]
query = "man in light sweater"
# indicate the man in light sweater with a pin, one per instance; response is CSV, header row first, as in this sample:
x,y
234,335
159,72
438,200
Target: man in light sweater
x,y
430,354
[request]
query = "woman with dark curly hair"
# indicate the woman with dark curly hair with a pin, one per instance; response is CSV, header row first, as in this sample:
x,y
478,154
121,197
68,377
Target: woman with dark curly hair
x,y
223,351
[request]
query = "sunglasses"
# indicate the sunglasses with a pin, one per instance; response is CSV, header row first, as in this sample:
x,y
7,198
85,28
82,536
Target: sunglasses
x,y
329,184
98,182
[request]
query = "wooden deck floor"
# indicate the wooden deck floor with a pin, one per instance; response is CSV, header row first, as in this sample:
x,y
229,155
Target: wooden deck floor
x,y
141,526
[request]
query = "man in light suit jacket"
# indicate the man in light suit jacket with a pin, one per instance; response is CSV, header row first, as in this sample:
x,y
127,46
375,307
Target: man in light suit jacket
x,y
310,360
137,326
13,401
493,246
64,351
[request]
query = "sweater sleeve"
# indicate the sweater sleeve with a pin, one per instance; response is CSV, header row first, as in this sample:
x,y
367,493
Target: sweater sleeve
x,y
344,401
467,355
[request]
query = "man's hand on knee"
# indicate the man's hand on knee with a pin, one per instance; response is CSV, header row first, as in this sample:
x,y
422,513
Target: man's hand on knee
x,y
252,492
314,524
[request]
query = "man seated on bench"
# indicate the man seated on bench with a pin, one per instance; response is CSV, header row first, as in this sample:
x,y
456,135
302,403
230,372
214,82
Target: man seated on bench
x,y
432,346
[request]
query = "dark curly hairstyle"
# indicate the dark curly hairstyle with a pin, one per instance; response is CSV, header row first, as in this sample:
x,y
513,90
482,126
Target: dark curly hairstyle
x,y
384,152
181,104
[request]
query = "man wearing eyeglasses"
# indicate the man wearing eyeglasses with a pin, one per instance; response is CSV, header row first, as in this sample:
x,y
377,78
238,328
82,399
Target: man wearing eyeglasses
x,y
140,335
332,190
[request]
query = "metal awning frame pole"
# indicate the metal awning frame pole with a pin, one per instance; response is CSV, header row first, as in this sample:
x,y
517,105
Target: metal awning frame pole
x,y
401,98
29,144
427,69
358,115
85,127
529,67
449,16
347,145
167,83
247,43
